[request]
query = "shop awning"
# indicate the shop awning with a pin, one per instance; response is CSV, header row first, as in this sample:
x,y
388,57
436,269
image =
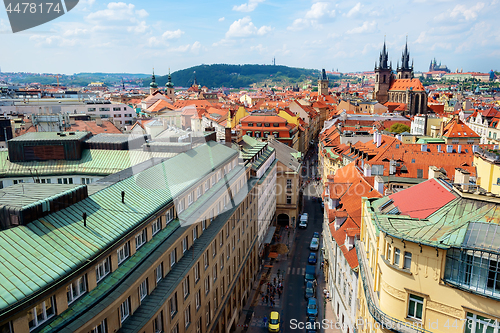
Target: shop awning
x,y
269,236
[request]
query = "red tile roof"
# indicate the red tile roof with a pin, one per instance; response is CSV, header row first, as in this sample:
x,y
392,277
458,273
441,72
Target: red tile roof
x,y
404,84
420,201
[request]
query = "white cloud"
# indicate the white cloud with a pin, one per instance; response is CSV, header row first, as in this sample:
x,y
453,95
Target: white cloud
x,y
318,12
195,48
117,11
172,34
245,28
222,19
259,48
366,27
354,10
247,7
468,12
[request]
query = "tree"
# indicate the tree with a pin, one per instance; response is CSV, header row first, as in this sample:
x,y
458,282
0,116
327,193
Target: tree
x,y
399,128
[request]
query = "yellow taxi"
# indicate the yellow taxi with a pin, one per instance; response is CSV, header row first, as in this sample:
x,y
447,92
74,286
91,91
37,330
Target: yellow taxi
x,y
274,322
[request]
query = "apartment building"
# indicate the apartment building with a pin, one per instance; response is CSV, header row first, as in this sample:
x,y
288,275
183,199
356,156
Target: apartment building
x,y
172,248
429,265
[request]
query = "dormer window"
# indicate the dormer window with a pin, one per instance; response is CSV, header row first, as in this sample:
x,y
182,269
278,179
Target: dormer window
x,y
250,124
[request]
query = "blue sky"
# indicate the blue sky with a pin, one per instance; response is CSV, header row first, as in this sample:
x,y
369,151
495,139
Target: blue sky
x,y
134,36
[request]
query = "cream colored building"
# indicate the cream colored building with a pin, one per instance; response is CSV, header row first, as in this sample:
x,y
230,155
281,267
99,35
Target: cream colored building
x,y
487,165
429,265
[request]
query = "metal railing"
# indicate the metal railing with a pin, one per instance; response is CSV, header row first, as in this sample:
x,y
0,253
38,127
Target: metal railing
x,y
385,321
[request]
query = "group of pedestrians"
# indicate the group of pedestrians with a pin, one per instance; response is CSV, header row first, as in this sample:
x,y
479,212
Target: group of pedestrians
x,y
273,289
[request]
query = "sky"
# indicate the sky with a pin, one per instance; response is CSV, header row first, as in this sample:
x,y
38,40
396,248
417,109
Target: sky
x,y
137,36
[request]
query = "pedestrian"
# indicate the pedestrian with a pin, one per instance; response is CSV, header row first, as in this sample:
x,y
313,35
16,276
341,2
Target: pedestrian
x,y
267,299
328,295
265,320
263,298
279,293
274,280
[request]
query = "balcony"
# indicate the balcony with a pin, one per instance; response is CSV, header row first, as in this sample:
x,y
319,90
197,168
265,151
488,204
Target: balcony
x,y
385,321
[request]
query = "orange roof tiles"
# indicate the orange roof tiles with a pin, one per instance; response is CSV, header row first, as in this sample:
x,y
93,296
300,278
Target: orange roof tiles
x,y
404,84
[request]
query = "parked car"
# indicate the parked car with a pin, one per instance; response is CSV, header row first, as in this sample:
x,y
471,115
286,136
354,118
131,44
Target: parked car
x,y
316,235
303,220
312,326
312,258
309,291
312,308
274,322
314,244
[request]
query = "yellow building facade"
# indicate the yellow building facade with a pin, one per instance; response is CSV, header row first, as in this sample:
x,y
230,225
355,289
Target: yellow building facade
x,y
488,171
436,274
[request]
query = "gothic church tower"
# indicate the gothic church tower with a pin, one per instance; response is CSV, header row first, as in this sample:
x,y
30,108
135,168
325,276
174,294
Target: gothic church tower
x,y
383,77
323,84
405,71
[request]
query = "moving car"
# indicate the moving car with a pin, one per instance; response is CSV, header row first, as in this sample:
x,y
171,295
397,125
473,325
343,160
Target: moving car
x,y
314,244
312,258
303,220
309,291
274,322
312,308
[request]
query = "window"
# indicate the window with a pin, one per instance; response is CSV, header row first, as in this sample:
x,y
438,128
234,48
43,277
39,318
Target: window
x,y
159,272
102,269
195,232
388,254
76,289
207,284
205,259
190,198
203,225
197,272
156,226
173,257
214,272
41,313
213,180
173,305
222,261
175,329
125,309
214,249
479,324
288,184
143,289
198,192
208,313
197,299
180,205
123,253
219,175
206,186
415,307
84,180
288,199
221,238
187,316
185,287
169,215
198,326
117,109
158,323
101,328
185,244
140,239
396,256
407,262
216,299
222,287
420,173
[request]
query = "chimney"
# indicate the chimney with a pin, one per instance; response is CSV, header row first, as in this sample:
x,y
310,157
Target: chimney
x,y
462,178
434,172
379,185
423,147
375,137
399,137
228,135
98,121
367,170
379,139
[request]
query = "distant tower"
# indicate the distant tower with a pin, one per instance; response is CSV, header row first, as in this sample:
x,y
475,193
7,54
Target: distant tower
x,y
323,84
195,83
405,71
274,61
383,76
153,86
169,88
123,84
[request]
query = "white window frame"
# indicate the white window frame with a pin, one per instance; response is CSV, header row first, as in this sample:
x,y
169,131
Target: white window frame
x,y
416,301
197,272
472,320
158,323
207,186
219,175
105,266
123,253
143,289
185,287
397,254
187,316
203,225
195,232
103,327
190,199
140,239
173,257
159,272
156,227
199,191
180,206
185,244
197,299
76,289
173,305
44,314
169,215
125,309
205,259
407,257
207,284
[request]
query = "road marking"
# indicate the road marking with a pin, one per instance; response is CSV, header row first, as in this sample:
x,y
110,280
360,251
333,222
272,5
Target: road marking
x,y
288,271
303,271
293,270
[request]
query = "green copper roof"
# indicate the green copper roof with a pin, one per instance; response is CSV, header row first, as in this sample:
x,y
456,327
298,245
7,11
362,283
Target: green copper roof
x,y
35,256
94,162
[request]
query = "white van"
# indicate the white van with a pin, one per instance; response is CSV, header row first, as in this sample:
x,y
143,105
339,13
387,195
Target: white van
x,y
303,221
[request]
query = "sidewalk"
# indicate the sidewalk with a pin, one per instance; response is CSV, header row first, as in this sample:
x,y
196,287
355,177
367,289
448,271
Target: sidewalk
x,y
252,318
327,310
